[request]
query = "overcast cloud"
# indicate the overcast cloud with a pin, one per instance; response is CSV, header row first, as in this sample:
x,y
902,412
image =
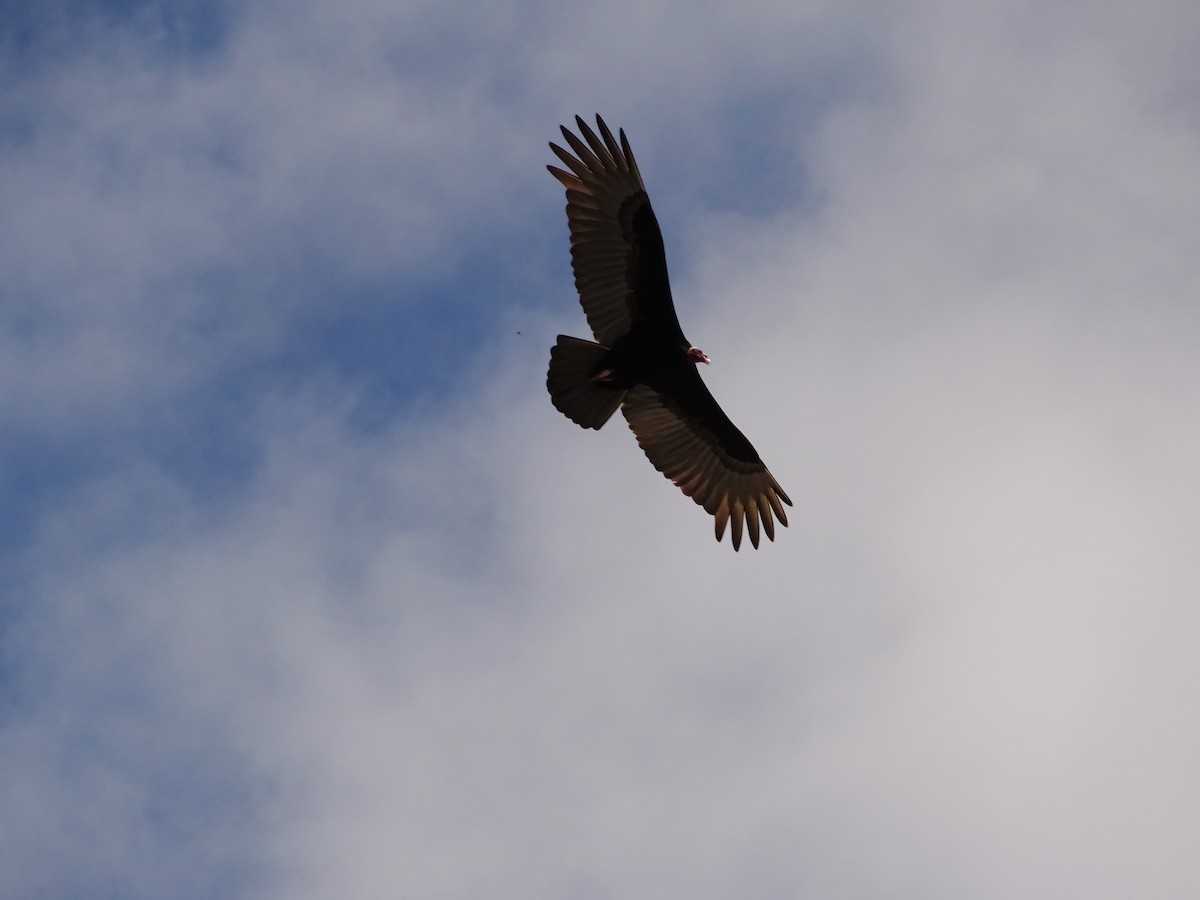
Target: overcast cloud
x,y
309,592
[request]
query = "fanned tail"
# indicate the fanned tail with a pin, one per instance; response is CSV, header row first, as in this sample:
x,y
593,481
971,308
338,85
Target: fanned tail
x,y
574,393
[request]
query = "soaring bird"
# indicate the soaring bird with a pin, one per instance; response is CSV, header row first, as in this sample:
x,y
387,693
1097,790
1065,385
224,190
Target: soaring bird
x,y
640,361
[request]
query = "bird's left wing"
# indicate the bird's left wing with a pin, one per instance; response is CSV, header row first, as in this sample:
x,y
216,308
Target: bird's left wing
x,y
616,247
687,436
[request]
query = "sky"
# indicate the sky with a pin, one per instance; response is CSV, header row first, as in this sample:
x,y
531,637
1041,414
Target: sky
x,y
307,591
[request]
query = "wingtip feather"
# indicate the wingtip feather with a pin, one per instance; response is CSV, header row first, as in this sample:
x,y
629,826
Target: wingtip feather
x,y
752,522
737,520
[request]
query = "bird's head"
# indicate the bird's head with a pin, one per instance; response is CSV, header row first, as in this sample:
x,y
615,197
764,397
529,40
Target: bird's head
x,y
696,355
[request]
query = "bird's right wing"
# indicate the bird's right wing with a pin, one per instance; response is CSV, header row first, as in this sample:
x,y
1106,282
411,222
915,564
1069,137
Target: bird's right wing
x,y
616,247
689,439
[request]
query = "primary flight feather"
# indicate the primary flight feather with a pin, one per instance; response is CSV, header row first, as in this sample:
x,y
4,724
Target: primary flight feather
x,y
641,362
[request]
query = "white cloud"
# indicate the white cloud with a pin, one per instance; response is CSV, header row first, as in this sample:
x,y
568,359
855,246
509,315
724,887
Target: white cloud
x,y
480,652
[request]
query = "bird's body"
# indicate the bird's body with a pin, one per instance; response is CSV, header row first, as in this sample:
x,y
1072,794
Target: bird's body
x,y
642,362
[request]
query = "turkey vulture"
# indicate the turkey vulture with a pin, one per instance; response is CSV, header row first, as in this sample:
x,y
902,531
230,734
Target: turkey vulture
x,y
642,362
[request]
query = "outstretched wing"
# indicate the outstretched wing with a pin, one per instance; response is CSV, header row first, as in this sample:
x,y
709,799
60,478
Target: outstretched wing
x,y
688,438
616,247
